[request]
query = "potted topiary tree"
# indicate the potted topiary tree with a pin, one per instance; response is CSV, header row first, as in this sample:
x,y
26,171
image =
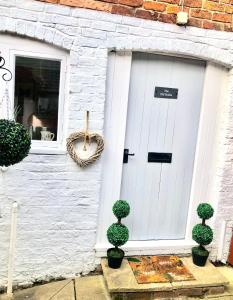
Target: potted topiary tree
x,y
118,234
202,234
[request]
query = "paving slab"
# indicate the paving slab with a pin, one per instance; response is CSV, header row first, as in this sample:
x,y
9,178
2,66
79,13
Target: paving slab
x,y
5,297
91,288
94,287
123,280
59,290
207,276
227,272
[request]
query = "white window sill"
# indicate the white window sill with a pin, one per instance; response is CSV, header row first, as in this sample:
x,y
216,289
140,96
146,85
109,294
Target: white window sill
x,y
44,150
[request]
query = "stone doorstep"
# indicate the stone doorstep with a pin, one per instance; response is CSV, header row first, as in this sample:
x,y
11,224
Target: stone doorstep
x,y
122,283
174,294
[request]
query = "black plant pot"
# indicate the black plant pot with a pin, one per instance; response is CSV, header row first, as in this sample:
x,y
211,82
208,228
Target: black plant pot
x,y
199,259
115,257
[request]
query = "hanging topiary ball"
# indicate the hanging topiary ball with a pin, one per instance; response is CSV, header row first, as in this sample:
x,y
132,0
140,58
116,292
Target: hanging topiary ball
x,y
202,234
117,234
15,142
205,211
121,209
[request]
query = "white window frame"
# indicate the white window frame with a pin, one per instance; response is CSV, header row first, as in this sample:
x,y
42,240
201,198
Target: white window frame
x,y
47,147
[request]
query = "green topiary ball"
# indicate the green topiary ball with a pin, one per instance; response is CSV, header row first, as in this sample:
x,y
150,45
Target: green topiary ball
x,y
15,142
205,211
121,209
117,234
202,234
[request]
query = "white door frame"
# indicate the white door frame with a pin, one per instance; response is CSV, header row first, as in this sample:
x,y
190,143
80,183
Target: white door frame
x,y
206,157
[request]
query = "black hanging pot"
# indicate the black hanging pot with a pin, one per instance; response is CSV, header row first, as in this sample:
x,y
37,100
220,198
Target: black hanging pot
x,y
200,256
115,257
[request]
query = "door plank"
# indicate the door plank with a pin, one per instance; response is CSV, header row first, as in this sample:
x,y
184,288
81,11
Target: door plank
x,y
177,177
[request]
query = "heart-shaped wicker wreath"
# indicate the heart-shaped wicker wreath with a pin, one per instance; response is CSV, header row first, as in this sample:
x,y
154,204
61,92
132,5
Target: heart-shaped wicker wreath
x,y
93,137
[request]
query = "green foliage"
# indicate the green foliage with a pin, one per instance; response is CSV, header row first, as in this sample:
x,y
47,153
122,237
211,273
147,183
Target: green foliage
x,y
117,234
134,259
121,209
205,211
202,234
15,142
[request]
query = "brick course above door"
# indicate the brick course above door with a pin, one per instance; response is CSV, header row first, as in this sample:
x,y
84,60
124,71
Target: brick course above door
x,y
216,15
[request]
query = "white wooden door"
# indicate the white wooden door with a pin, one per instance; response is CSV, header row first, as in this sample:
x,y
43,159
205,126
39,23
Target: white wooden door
x,y
159,192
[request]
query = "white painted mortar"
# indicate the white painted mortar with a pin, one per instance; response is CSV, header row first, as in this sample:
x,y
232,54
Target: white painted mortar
x,y
59,202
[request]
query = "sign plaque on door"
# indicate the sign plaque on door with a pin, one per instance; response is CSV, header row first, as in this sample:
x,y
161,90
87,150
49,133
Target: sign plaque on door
x,y
164,92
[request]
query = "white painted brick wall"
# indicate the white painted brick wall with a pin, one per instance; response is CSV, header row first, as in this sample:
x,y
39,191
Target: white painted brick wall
x,y
59,202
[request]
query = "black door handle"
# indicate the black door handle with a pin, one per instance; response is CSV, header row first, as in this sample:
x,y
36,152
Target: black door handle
x,y
126,156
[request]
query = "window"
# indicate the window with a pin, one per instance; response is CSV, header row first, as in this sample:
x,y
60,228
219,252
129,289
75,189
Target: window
x,y
37,83
37,93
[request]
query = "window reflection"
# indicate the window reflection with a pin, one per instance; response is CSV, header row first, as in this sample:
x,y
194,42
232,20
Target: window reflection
x,y
36,96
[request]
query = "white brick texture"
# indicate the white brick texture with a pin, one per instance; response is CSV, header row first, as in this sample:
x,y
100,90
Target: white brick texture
x,y
58,201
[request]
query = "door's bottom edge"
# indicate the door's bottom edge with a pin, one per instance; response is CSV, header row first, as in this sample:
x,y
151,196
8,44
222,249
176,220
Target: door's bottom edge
x,y
178,247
